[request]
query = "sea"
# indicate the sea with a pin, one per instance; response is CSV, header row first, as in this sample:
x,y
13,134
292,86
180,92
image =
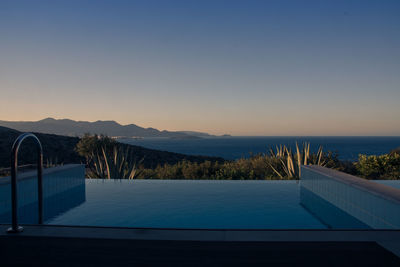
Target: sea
x,y
231,148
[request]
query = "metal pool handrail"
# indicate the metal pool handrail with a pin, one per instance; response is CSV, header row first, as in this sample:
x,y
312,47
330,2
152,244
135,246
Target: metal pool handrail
x,y
14,167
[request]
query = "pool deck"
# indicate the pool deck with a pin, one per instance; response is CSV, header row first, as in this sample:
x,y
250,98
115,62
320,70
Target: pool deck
x,y
102,246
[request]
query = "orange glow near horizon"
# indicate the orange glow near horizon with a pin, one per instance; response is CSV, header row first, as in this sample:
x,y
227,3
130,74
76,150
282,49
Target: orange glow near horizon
x,y
245,68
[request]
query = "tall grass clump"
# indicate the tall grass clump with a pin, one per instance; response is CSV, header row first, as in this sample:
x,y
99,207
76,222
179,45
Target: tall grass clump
x,y
290,162
106,158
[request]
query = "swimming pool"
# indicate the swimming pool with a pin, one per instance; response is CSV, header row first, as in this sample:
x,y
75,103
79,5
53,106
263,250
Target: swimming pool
x,y
209,204
191,204
323,199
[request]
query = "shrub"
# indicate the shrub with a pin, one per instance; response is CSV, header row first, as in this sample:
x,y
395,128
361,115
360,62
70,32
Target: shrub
x,y
379,167
290,163
106,158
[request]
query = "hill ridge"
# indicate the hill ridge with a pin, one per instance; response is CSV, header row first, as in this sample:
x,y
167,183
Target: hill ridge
x,y
68,127
61,149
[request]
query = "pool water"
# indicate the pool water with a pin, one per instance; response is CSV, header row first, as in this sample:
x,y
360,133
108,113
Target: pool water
x,y
191,204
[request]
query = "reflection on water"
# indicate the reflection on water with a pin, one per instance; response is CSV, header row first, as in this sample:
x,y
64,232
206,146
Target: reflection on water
x,y
328,214
201,204
185,204
56,201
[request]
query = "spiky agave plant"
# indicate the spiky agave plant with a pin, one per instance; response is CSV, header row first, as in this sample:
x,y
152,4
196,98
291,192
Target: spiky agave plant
x,y
291,162
114,165
280,151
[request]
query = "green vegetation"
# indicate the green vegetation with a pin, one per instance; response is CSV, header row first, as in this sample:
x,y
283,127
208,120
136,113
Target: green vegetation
x,y
379,167
291,162
258,167
106,158
242,169
63,150
91,146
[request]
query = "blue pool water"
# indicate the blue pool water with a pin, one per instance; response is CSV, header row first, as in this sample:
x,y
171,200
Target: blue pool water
x,y
200,204
191,204
348,148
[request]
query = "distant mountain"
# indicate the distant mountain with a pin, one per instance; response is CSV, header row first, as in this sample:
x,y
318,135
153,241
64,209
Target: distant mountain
x,y
61,149
79,128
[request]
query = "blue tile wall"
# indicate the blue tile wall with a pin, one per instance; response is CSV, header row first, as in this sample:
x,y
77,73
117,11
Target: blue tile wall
x,y
365,205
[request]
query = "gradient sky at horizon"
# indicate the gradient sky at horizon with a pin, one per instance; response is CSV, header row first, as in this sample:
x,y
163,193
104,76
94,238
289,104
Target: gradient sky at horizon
x,y
238,67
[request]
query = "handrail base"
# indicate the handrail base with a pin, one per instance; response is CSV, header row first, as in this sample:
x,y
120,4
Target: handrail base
x,y
15,231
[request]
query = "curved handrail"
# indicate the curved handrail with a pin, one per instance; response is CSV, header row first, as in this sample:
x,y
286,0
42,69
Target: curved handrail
x,y
14,167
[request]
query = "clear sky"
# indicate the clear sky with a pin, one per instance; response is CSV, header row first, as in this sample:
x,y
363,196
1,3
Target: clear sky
x,y
239,67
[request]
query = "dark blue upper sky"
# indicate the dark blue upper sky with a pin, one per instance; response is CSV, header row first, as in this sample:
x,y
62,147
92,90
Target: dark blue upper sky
x,y
240,67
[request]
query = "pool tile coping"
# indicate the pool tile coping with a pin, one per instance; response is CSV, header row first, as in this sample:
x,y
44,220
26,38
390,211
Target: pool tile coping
x,y
380,190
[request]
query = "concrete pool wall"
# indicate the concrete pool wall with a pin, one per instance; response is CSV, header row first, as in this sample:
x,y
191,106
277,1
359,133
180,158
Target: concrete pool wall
x,y
59,183
373,204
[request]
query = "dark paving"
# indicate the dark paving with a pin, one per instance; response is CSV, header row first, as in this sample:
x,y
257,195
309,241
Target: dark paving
x,y
52,251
